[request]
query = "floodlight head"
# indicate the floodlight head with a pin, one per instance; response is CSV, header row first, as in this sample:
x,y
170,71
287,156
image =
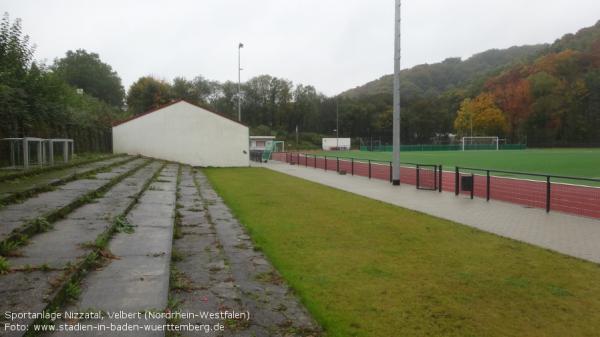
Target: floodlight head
x,y
241,45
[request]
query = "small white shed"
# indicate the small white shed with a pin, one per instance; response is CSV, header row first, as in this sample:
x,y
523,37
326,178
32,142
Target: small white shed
x,y
335,144
186,133
260,143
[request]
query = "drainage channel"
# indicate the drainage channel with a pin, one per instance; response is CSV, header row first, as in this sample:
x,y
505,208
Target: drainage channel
x,y
15,191
216,269
37,212
134,278
40,269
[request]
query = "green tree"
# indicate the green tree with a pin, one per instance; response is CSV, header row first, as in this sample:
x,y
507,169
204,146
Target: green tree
x,y
147,93
86,71
16,59
225,98
184,89
592,109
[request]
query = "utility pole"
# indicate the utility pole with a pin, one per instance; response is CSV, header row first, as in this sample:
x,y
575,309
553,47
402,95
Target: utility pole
x,y
240,46
396,119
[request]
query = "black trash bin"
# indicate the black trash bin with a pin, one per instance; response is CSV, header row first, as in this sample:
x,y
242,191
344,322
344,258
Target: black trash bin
x,y
467,184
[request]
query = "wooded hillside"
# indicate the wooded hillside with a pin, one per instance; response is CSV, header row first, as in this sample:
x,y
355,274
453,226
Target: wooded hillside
x,y
544,95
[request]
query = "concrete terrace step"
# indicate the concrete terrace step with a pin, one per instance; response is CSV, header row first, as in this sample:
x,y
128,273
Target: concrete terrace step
x,y
235,276
201,278
137,279
15,188
29,290
14,216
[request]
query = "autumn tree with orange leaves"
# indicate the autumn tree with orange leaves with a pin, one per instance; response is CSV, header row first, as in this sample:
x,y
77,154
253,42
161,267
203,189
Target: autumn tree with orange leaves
x,y
512,94
482,116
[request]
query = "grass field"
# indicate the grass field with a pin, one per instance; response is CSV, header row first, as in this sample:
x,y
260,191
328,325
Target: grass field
x,y
569,162
365,268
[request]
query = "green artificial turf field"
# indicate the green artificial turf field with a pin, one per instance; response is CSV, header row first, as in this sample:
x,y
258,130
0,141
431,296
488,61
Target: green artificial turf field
x,y
569,162
366,268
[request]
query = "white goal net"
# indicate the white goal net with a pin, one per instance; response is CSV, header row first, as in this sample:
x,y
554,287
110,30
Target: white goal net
x,y
480,143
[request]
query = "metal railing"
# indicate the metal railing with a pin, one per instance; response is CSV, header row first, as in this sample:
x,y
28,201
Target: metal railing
x,y
550,192
513,186
371,168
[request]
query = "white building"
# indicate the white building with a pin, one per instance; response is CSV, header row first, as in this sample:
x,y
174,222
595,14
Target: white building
x,y
185,133
259,143
333,144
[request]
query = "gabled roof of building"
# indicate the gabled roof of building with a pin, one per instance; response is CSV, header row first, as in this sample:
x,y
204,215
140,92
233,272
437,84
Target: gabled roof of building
x,y
173,103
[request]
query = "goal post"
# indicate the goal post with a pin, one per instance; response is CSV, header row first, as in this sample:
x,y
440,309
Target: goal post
x,y
480,143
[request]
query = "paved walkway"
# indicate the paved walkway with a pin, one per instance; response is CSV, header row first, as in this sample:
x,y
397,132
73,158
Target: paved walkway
x,y
567,234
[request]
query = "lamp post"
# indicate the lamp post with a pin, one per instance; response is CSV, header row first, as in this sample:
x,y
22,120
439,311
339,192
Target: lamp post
x,y
396,118
240,46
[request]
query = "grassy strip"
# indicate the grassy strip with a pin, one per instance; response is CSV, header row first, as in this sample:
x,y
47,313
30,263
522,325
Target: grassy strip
x,y
72,278
366,268
23,195
177,221
20,236
36,171
173,305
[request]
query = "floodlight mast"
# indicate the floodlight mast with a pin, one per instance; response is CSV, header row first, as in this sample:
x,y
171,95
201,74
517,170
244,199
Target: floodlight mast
x,y
337,125
240,46
396,118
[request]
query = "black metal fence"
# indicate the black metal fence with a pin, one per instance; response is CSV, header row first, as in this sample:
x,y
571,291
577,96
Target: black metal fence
x,y
549,192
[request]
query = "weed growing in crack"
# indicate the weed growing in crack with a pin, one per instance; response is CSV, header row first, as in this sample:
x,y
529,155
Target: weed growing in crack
x,y
177,233
176,256
269,277
123,226
178,280
28,268
4,265
237,324
173,305
72,291
6,247
41,224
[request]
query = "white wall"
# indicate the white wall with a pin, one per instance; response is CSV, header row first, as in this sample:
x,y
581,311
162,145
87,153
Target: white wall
x,y
184,133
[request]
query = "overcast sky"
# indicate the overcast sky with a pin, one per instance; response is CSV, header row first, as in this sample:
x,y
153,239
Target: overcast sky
x,y
332,44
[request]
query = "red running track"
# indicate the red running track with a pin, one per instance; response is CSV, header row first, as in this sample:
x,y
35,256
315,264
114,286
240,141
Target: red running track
x,y
572,199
